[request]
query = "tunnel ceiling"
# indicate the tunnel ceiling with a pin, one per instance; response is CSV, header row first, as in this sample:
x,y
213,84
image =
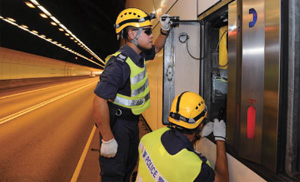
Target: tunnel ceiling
x,y
91,21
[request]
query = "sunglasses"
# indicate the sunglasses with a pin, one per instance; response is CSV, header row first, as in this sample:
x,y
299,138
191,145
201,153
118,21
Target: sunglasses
x,y
147,31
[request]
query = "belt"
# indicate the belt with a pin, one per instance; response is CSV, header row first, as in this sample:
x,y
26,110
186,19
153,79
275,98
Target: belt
x,y
121,112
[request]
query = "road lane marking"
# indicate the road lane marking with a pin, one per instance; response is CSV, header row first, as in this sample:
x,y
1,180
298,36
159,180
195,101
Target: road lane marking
x,y
83,156
13,95
25,111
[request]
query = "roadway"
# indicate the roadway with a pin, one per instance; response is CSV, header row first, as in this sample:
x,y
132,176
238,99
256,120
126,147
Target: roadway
x,y
46,132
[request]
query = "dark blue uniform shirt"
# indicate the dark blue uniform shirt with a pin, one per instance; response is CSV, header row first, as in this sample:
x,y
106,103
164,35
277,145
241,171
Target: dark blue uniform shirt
x,y
174,141
116,76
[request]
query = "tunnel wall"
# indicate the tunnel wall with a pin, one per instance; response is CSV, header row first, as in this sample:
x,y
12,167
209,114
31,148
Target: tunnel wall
x,y
20,65
19,68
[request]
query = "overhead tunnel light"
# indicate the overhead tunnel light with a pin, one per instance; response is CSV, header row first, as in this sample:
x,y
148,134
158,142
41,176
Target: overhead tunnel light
x,y
11,19
34,32
54,19
65,29
29,4
24,26
35,2
53,23
46,14
62,26
43,15
44,10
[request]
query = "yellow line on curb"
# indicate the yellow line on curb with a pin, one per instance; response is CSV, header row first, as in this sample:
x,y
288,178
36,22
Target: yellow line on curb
x,y
83,156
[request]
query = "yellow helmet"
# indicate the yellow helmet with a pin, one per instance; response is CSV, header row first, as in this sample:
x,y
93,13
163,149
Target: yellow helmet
x,y
132,17
188,110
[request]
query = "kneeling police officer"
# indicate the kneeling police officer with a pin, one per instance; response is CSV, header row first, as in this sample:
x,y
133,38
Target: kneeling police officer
x,y
167,154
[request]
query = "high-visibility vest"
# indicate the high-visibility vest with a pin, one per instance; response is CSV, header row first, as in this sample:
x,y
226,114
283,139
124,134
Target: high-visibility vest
x,y
139,99
156,164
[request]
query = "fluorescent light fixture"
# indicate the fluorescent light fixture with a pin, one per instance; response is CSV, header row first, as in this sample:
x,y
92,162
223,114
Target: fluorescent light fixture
x,y
69,32
162,4
11,19
159,11
35,2
54,19
29,4
24,26
43,15
55,22
62,26
44,10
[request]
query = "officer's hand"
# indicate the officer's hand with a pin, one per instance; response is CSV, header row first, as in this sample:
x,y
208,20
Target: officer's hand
x,y
219,130
109,148
165,22
208,129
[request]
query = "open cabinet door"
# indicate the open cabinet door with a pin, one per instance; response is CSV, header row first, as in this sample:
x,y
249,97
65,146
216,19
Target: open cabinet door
x,y
181,62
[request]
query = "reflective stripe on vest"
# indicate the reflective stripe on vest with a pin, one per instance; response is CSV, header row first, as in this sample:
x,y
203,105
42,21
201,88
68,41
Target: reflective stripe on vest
x,y
139,100
128,103
136,92
138,77
159,166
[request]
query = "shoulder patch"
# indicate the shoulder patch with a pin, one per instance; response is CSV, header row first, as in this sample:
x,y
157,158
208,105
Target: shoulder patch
x,y
121,57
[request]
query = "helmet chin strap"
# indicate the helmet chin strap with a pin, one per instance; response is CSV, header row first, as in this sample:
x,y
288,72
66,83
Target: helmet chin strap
x,y
135,40
197,132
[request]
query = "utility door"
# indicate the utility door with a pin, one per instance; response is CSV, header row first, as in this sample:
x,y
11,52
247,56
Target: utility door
x,y
181,62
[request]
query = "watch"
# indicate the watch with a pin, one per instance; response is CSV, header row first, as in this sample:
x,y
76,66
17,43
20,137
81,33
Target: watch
x,y
165,34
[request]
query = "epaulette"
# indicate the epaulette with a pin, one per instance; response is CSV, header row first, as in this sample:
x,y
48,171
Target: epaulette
x,y
121,57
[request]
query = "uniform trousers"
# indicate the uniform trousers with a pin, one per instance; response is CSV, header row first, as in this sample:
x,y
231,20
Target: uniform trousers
x,y
120,167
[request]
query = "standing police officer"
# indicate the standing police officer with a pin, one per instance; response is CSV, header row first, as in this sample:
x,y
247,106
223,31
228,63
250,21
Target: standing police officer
x,y
167,154
123,93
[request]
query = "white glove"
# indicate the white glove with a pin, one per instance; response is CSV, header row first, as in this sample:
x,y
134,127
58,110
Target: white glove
x,y
165,24
109,148
208,129
219,130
